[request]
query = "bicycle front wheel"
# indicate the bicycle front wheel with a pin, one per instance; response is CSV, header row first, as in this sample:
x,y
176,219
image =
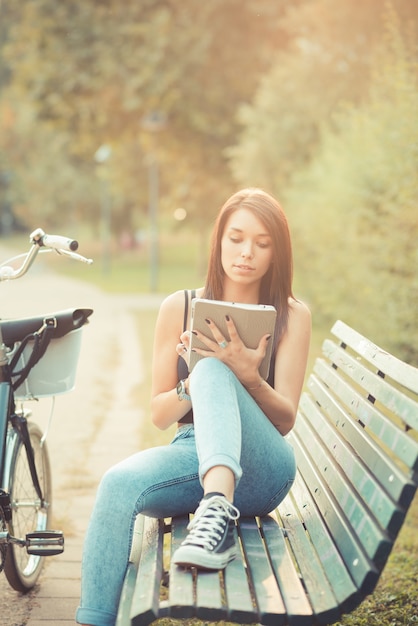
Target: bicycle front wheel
x,y
29,513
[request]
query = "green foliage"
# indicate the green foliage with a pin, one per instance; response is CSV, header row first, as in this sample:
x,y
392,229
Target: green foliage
x,y
358,198
313,100
333,132
325,62
85,73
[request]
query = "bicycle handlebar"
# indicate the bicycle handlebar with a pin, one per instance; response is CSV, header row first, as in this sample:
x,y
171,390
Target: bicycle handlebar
x,y
54,242
39,239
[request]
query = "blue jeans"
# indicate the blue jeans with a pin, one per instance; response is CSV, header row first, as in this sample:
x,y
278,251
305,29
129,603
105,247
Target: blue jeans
x,y
229,429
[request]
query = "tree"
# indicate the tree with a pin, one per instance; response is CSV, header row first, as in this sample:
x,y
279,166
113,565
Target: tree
x,y
326,62
87,72
332,132
356,204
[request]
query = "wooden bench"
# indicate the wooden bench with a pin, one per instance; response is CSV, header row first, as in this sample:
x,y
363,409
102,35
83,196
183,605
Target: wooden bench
x,y
322,551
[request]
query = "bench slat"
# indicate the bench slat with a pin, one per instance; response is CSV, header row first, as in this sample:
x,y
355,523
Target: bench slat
x,y
392,437
210,605
241,606
360,567
374,385
319,588
181,597
391,477
401,372
292,590
270,603
377,470
328,555
356,479
374,540
124,611
146,596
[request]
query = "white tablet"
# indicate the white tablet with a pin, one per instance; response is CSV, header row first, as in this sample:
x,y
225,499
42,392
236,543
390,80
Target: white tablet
x,y
252,321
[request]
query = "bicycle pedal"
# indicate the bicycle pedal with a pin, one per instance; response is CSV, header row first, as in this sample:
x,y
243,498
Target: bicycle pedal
x,y
45,542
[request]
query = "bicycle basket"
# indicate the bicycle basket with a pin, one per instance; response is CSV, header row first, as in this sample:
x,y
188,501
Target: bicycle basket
x,y
54,373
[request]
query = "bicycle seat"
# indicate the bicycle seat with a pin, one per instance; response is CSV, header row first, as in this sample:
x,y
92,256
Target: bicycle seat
x,y
16,330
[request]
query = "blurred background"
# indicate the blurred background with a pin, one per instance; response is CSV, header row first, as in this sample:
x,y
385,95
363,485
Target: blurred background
x,y
127,124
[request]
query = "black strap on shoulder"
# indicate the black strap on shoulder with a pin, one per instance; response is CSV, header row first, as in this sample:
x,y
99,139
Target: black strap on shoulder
x,y
186,308
186,305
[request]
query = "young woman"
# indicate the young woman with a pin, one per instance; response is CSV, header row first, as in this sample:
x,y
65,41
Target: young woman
x,y
229,456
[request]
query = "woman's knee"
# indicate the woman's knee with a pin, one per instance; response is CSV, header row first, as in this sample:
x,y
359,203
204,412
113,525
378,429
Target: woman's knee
x,y
125,479
206,368
210,363
112,484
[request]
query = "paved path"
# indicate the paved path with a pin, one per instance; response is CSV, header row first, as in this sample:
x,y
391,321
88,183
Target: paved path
x,y
93,427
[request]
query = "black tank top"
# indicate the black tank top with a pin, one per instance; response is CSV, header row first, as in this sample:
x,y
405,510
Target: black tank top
x,y
182,369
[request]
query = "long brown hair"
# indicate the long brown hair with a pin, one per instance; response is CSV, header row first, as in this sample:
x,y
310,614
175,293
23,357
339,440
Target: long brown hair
x,y
276,285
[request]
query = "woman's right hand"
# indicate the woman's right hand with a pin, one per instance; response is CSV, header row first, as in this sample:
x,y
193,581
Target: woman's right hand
x,y
183,348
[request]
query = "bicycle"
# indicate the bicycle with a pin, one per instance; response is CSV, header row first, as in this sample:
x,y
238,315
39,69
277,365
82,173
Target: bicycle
x,y
38,359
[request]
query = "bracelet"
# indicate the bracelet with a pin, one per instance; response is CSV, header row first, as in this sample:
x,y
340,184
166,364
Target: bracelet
x,y
254,388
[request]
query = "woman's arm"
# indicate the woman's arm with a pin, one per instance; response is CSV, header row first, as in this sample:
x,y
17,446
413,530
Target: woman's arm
x,y
166,409
281,403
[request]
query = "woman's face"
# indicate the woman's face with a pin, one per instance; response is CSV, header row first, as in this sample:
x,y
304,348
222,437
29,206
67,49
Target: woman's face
x,y
246,248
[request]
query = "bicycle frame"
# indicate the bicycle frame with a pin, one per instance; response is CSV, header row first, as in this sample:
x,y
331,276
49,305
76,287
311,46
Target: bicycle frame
x,y
25,373
4,411
9,417
6,401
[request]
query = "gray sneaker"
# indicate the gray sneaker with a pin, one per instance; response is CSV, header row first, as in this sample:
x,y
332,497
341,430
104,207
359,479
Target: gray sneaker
x,y
210,544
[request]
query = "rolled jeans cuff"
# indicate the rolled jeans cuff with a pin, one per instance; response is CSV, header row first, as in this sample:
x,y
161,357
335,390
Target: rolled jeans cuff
x,y
220,459
95,617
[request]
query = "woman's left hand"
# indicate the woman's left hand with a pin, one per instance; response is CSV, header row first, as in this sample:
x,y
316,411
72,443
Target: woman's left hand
x,y
243,361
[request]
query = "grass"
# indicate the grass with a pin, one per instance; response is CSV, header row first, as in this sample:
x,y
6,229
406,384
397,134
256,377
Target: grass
x,y
180,263
395,600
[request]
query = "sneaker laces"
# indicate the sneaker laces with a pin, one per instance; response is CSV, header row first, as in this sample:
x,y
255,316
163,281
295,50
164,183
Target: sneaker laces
x,y
208,523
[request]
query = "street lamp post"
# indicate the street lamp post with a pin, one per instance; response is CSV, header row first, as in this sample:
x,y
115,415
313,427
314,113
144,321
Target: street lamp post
x,y
102,156
153,193
153,122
